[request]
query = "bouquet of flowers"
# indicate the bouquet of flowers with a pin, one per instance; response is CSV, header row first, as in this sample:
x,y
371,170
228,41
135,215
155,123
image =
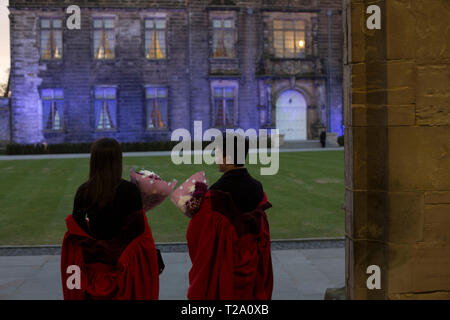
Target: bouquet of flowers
x,y
189,196
153,189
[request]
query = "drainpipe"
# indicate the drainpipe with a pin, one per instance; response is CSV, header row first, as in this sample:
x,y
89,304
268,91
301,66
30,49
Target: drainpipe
x,y
329,73
189,70
251,72
8,88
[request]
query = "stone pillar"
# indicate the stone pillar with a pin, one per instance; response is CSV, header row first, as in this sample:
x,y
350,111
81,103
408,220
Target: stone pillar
x,y
397,106
26,107
5,129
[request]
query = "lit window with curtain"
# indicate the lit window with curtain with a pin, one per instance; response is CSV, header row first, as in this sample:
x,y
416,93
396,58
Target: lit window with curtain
x,y
289,38
155,39
53,103
105,108
223,38
157,113
51,38
104,38
224,104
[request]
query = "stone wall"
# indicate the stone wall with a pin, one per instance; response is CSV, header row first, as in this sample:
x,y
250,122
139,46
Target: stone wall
x,y
188,71
4,121
397,105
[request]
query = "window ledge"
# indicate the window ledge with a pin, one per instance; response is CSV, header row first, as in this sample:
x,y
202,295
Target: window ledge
x,y
165,130
105,61
156,60
294,59
53,131
51,60
224,59
222,8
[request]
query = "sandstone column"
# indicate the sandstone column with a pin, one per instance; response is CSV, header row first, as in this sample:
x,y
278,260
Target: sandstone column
x,y
397,106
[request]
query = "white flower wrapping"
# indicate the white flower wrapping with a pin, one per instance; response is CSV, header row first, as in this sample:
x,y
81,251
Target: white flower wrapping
x,y
147,173
153,189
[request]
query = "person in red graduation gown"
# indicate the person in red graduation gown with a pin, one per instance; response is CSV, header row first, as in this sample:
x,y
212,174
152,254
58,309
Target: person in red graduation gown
x,y
108,237
229,238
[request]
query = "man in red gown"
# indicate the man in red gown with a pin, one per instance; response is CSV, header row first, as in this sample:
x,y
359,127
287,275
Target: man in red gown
x,y
229,239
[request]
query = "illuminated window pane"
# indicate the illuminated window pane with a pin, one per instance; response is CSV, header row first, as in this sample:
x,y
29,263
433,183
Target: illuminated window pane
x,y
110,93
51,39
58,45
223,38
46,46
278,24
57,121
57,24
105,108
104,39
289,38
99,93
105,117
151,93
109,23
229,113
160,24
228,92
289,24
98,24
157,112
289,44
52,103
45,23
47,94
228,42
162,93
224,101
300,43
59,94
217,23
300,25
155,39
218,92
228,24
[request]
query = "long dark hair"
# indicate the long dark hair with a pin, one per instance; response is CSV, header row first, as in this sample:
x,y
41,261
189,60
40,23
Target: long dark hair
x,y
105,172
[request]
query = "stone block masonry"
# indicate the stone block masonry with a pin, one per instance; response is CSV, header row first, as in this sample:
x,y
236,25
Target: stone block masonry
x,y
398,149
4,121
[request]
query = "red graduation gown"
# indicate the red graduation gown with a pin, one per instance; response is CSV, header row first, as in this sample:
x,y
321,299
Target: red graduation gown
x,y
125,268
230,251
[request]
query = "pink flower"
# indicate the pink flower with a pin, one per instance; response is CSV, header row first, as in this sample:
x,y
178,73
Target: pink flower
x,y
189,196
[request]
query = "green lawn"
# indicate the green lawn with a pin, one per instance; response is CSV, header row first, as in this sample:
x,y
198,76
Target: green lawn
x,y
37,195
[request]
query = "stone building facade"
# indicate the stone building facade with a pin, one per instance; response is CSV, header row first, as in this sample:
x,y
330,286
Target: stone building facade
x,y
138,70
5,133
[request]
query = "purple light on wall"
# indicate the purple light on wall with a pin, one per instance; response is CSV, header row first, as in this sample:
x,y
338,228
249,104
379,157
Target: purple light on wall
x,y
337,121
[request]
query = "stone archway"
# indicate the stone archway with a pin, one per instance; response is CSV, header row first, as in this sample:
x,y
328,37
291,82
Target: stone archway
x,y
291,115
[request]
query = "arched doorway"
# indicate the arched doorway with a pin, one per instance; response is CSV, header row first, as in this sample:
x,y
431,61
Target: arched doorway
x,y
291,115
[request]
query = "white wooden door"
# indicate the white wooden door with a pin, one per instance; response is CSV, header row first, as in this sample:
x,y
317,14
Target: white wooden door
x,y
291,115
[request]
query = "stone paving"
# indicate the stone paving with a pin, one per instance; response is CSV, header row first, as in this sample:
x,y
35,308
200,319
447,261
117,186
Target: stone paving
x,y
299,275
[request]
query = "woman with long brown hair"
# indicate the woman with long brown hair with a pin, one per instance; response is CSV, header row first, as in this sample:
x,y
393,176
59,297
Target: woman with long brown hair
x,y
108,235
105,199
